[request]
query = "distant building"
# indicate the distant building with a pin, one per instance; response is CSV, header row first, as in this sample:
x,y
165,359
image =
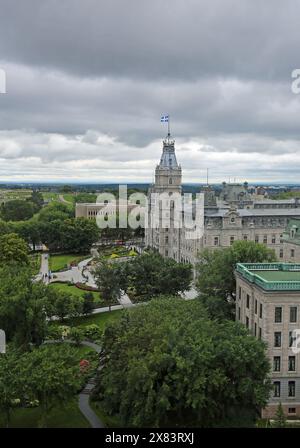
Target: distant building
x,y
268,303
234,215
291,241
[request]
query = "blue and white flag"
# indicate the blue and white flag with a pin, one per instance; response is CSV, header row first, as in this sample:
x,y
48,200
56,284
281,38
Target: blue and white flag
x,y
164,119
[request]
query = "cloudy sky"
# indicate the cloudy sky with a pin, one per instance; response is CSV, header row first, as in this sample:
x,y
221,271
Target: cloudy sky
x,y
87,82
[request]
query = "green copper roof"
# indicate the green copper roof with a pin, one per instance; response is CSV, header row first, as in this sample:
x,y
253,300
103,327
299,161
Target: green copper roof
x,y
272,276
292,232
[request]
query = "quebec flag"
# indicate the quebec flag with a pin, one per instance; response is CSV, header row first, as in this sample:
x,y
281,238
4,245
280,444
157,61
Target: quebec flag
x,y
164,119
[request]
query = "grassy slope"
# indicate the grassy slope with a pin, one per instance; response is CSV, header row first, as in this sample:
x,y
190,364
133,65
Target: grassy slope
x,y
71,289
58,262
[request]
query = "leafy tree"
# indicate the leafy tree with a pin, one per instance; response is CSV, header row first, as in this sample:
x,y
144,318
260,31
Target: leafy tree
x,y
215,269
88,303
17,210
77,335
280,419
181,368
50,376
85,197
22,306
151,274
13,249
10,389
107,280
62,304
78,235
37,199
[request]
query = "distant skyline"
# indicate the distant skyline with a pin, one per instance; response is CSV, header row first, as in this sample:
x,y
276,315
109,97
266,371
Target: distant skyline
x,y
87,83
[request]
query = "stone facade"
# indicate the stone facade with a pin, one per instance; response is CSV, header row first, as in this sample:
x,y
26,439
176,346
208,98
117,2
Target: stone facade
x,y
270,308
235,215
291,241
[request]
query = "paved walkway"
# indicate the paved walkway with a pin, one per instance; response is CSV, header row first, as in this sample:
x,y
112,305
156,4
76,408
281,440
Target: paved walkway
x,y
84,396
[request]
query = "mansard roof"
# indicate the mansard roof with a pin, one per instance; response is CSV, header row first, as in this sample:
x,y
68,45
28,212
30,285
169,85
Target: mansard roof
x,y
168,158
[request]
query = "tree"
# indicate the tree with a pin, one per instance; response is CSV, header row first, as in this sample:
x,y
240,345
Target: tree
x,y
13,249
50,376
280,419
78,235
107,280
17,210
88,303
37,199
22,306
151,274
77,335
10,390
215,269
62,304
181,368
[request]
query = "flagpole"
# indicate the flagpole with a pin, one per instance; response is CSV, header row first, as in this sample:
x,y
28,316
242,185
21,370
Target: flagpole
x,y
169,125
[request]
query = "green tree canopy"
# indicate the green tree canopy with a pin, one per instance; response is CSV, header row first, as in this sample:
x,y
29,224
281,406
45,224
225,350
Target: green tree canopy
x,y
17,210
215,268
181,368
13,249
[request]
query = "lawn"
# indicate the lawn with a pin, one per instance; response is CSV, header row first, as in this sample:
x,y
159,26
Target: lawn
x,y
69,197
65,287
100,319
59,262
61,416
68,416
50,196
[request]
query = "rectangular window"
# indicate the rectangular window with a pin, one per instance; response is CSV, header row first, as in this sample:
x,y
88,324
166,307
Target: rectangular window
x,y
259,333
278,314
277,339
239,313
292,338
216,241
281,253
255,329
292,388
292,411
248,301
255,307
292,363
245,237
247,322
265,239
260,310
292,253
276,363
276,385
231,240
273,239
256,238
293,314
240,292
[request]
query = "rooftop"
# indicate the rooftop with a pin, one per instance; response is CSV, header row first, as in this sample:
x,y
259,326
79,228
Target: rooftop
x,y
272,276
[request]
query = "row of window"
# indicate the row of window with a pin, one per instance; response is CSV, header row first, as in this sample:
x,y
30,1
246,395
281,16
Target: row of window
x,y
291,389
291,363
245,238
278,339
278,314
255,304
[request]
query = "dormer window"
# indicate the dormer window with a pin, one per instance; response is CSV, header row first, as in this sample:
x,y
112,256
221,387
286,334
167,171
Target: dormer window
x,y
170,181
232,219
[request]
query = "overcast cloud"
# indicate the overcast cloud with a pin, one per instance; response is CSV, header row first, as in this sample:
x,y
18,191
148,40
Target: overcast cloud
x,y
87,82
